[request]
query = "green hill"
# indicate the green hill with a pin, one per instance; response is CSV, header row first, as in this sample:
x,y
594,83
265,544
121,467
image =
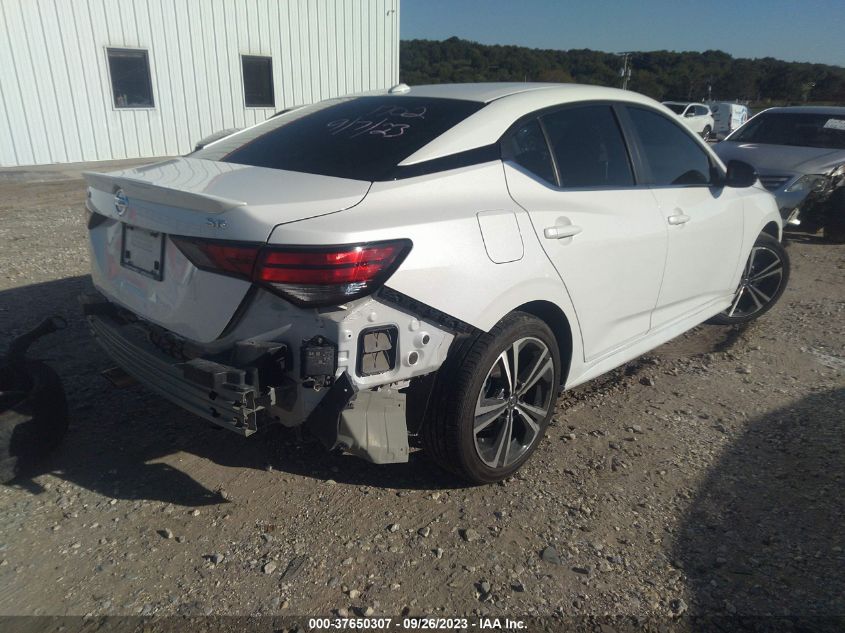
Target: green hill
x,y
659,74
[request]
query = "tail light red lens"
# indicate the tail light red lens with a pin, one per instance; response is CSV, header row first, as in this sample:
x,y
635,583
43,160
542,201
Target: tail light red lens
x,y
329,275
307,276
220,257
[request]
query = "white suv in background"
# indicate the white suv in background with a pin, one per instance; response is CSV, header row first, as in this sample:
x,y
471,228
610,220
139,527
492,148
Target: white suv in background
x,y
696,116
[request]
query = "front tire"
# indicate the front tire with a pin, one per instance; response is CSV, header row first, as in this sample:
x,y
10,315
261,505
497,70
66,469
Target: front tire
x,y
763,281
493,399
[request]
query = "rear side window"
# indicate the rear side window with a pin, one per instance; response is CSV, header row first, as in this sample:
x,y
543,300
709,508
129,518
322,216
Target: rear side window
x,y
588,148
362,138
526,146
672,155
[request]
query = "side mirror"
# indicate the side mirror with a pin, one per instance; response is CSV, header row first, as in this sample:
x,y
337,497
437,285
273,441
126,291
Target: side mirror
x,y
689,113
740,174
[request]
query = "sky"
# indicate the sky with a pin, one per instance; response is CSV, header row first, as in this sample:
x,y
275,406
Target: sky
x,y
796,30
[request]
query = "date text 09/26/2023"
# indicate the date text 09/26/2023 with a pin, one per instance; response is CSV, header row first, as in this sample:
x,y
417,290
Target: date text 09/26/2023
x,y
416,624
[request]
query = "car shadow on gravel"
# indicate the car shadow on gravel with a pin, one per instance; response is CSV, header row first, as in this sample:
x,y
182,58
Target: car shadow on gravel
x,y
765,533
799,237
120,439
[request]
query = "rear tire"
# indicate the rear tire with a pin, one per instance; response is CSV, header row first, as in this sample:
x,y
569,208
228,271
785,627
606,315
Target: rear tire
x,y
706,132
763,281
488,412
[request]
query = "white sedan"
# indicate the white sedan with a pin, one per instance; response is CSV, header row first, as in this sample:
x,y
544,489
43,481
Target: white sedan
x,y
434,262
696,116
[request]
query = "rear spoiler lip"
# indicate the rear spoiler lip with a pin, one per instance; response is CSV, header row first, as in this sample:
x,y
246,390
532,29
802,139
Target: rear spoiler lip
x,y
143,190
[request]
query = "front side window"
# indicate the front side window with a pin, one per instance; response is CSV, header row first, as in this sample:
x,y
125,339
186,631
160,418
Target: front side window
x,y
129,70
673,157
258,81
526,146
363,138
588,147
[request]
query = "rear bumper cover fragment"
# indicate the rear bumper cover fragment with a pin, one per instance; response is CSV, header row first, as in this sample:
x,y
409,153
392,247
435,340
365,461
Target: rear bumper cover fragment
x,y
369,424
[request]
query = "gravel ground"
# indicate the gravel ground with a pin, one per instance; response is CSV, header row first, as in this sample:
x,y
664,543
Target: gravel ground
x,y
704,478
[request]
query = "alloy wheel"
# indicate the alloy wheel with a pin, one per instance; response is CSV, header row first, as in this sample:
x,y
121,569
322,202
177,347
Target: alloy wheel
x,y
514,402
761,280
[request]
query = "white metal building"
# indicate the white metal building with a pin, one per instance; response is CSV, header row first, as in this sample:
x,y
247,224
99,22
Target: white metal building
x,y
85,80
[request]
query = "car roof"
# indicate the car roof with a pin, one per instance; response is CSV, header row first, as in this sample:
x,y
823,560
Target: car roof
x,y
486,92
506,103
832,110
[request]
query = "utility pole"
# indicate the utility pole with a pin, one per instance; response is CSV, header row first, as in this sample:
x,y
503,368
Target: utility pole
x,y
807,88
625,71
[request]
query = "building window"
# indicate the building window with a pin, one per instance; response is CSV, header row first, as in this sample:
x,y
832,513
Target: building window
x,y
130,78
258,81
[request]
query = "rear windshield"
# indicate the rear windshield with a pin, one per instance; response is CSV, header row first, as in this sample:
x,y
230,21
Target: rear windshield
x,y
794,128
363,138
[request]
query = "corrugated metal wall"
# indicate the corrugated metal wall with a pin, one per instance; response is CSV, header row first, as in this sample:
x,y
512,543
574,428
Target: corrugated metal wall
x,y
56,100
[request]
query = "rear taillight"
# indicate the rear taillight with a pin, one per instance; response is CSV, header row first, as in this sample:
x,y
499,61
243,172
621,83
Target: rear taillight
x,y
307,276
229,258
329,275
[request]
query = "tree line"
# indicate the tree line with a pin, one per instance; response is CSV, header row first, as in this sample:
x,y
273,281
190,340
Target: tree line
x,y
662,75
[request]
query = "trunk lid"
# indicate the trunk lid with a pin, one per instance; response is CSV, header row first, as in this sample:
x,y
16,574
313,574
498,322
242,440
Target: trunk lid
x,y
196,198
203,198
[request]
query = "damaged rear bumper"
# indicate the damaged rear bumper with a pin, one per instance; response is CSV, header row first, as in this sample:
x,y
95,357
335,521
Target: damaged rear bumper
x,y
216,392
370,424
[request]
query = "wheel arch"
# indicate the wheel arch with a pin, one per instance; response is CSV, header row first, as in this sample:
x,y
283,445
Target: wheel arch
x,y
773,229
559,324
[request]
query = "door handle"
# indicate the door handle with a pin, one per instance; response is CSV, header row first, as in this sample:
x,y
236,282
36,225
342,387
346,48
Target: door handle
x,y
560,231
678,218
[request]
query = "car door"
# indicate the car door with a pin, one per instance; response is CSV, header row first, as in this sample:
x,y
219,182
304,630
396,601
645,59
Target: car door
x,y
692,120
571,171
706,116
704,218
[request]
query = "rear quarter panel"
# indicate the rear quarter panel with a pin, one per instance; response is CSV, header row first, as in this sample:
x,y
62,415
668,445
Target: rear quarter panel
x,y
448,267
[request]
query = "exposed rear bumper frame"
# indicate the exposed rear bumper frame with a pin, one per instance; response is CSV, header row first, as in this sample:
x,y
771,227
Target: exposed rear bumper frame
x,y
215,392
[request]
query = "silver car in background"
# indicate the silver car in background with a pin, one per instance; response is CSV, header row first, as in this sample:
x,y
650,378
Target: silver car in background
x,y
799,155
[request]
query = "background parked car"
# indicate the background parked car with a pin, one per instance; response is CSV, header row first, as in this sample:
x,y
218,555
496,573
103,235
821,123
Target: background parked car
x,y
799,154
696,116
727,117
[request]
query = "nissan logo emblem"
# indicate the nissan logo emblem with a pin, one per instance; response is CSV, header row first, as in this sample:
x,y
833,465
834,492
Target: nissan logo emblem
x,y
121,202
